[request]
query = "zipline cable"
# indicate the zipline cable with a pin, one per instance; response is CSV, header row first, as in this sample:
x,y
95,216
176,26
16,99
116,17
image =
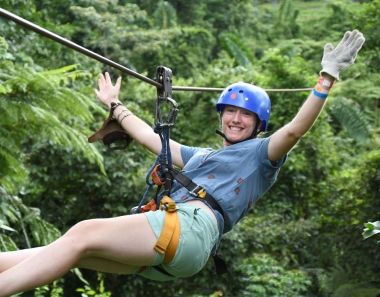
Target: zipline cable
x,y
74,46
29,25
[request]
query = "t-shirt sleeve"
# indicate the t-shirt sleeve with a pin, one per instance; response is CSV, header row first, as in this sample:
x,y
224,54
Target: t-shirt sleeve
x,y
187,152
269,169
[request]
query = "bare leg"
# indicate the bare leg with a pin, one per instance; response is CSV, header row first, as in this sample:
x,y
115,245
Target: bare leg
x,y
10,259
112,245
105,265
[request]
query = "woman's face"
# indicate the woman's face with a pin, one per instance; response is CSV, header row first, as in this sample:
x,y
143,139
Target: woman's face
x,y
237,123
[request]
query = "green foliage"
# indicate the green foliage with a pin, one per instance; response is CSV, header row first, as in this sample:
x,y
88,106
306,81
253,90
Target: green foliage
x,y
287,20
130,38
339,20
15,215
371,228
37,104
353,290
236,49
87,291
368,22
165,15
354,200
266,277
350,116
339,284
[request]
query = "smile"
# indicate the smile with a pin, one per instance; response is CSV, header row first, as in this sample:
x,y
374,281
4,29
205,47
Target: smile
x,y
235,128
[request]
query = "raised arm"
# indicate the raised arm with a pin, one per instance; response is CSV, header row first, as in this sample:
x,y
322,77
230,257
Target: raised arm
x,y
333,61
133,125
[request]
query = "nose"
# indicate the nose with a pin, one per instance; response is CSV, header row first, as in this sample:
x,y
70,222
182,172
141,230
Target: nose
x,y
237,117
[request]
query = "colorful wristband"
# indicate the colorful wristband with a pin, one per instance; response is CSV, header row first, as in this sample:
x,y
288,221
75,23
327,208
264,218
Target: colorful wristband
x,y
324,82
320,92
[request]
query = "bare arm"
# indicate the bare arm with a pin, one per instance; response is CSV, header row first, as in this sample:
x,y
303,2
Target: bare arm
x,y
333,61
133,125
287,137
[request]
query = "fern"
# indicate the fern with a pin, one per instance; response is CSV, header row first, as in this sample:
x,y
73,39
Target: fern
x,y
351,117
42,105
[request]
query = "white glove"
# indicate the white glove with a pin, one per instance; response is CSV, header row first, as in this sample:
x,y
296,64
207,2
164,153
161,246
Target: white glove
x,y
343,56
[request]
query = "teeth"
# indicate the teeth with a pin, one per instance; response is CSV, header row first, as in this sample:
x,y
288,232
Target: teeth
x,y
236,129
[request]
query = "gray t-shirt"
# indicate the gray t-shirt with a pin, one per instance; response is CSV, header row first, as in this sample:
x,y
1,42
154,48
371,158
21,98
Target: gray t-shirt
x,y
236,176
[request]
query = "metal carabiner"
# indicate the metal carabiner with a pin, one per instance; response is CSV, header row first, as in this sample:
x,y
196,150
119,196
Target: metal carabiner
x,y
164,76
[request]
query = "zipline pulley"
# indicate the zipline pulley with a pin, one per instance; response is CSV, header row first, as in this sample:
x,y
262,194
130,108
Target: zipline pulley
x,y
164,94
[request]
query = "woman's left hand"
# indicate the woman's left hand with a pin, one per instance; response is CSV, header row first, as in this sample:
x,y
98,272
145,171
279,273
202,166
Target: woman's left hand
x,y
107,92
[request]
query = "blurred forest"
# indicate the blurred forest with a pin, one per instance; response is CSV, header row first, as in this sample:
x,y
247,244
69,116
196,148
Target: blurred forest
x,y
303,238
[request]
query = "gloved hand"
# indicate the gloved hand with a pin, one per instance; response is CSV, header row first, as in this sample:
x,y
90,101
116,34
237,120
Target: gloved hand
x,y
343,56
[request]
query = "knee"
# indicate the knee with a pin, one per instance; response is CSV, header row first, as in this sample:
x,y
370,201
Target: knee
x,y
79,236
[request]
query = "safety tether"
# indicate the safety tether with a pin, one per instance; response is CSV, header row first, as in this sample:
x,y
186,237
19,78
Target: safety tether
x,y
164,158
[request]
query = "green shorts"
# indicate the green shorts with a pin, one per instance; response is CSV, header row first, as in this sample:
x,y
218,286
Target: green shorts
x,y
198,235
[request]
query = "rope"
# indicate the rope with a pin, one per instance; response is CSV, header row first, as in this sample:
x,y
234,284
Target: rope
x,y
164,158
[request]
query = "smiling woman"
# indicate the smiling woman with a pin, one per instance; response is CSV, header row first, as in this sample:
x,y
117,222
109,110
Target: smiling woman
x,y
238,124
245,112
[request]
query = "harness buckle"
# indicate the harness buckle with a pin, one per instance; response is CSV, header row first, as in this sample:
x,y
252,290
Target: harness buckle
x,y
168,204
198,191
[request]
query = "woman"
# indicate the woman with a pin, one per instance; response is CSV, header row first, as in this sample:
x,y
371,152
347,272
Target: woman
x,y
235,176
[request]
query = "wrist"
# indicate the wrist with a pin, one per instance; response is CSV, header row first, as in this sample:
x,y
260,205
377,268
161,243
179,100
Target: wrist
x,y
323,86
114,104
331,72
326,82
328,77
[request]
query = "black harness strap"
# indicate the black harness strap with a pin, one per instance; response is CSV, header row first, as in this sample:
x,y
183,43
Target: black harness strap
x,y
195,189
162,270
199,191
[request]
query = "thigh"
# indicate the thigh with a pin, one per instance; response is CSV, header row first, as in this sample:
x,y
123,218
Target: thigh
x,y
198,236
105,265
127,240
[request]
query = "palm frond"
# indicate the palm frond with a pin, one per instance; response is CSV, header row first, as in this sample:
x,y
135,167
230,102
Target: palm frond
x,y
236,49
165,16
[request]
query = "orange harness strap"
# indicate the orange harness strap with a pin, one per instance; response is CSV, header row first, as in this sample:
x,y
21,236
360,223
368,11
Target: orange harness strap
x,y
168,241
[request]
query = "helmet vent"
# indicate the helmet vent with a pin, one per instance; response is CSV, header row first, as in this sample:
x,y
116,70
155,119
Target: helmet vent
x,y
241,91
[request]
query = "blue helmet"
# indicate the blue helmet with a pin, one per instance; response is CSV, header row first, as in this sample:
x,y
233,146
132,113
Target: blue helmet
x,y
249,97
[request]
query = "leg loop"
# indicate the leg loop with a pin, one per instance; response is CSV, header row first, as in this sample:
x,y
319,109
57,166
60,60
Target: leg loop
x,y
169,238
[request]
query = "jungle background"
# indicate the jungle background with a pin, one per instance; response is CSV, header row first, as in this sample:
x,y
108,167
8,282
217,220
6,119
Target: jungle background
x,y
303,238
